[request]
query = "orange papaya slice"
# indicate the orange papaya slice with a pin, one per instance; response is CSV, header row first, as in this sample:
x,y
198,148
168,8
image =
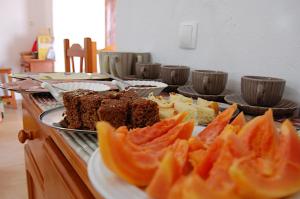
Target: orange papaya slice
x,y
205,161
260,135
147,134
265,177
135,167
239,121
209,134
180,131
194,187
170,169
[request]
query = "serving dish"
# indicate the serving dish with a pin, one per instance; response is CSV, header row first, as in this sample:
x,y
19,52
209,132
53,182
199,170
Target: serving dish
x,y
284,108
57,89
110,186
53,116
141,88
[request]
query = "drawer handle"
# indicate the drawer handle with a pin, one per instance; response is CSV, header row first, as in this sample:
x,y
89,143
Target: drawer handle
x,y
24,135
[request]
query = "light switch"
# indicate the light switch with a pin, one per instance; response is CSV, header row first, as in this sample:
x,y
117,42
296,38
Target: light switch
x,y
188,35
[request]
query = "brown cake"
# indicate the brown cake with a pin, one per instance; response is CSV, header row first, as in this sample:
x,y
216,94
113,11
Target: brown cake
x,y
113,111
143,113
84,108
72,104
128,95
89,105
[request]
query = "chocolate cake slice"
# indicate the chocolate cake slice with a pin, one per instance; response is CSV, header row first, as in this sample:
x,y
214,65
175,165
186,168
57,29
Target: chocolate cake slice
x,y
84,108
143,113
114,111
72,102
89,105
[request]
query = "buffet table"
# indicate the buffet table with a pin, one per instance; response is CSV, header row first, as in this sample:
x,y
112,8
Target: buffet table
x,y
56,161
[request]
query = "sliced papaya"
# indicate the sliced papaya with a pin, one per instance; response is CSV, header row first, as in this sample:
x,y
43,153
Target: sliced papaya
x,y
260,135
147,134
206,160
194,187
217,125
136,167
170,169
265,177
219,175
211,178
239,121
180,131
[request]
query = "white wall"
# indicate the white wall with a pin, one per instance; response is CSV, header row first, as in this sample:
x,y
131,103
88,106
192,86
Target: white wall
x,y
259,37
21,20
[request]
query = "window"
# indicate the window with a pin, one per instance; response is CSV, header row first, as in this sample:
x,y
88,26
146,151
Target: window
x,y
75,20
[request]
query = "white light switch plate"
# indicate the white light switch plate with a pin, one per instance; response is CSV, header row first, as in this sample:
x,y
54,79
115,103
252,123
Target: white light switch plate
x,y
188,35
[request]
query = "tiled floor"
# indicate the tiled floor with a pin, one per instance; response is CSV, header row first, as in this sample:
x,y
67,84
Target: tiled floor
x,y
12,168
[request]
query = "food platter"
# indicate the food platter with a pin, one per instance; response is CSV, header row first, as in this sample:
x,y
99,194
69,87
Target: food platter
x,y
52,118
110,186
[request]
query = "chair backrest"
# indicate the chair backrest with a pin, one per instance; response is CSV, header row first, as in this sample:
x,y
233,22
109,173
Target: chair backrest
x,y
87,56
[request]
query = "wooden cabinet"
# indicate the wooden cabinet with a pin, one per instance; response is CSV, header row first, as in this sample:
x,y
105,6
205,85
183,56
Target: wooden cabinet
x,y
29,64
49,173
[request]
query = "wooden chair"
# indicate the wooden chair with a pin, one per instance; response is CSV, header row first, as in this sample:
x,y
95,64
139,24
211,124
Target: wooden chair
x,y
87,55
8,99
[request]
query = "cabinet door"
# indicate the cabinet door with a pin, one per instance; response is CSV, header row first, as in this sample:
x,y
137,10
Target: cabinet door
x,y
35,181
61,180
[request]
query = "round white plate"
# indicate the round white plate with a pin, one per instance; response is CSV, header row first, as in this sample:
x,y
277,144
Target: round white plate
x,y
53,116
70,86
108,184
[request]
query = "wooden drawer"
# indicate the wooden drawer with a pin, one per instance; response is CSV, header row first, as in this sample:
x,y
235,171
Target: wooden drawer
x,y
49,172
50,175
35,180
61,180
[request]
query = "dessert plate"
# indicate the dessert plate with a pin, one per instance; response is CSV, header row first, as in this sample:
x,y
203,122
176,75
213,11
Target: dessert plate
x,y
189,91
285,107
110,186
52,118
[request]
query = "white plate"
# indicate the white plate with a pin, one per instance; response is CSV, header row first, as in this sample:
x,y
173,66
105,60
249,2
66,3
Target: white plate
x,y
57,89
108,184
70,86
53,116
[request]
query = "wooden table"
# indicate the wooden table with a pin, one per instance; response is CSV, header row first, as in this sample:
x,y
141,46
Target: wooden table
x,y
53,168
